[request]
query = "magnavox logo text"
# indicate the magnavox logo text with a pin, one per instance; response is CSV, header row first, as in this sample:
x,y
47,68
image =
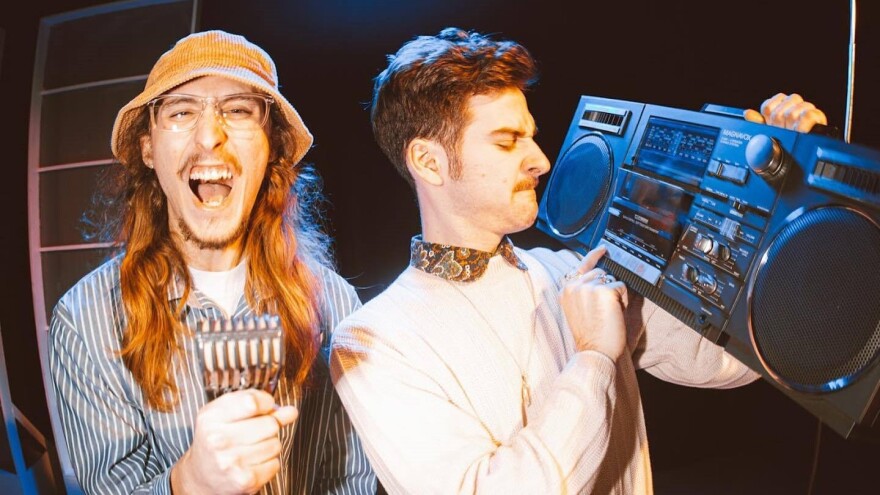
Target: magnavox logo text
x,y
736,134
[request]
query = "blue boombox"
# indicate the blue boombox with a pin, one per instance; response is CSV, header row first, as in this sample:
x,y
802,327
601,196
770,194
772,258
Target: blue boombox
x,y
764,240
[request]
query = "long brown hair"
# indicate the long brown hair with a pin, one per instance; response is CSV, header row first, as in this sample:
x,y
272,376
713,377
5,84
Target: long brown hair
x,y
284,246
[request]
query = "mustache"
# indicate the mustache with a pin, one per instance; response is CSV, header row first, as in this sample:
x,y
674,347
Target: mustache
x,y
526,184
219,157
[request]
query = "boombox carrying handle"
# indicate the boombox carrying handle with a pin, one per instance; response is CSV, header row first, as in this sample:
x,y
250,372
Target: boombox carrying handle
x,y
737,113
725,111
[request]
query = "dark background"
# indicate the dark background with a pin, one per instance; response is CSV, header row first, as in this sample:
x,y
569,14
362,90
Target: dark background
x,y
679,53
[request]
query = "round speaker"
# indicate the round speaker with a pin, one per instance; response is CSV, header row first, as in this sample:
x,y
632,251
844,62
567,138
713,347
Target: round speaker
x,y
815,300
579,185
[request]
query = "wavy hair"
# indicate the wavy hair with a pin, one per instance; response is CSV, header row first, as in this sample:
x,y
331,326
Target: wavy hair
x,y
425,89
284,244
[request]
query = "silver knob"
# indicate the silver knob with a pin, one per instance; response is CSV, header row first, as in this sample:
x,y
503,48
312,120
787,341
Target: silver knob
x,y
766,157
707,283
704,243
720,252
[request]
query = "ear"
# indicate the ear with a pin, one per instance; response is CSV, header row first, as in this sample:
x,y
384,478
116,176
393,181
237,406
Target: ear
x,y
147,150
427,161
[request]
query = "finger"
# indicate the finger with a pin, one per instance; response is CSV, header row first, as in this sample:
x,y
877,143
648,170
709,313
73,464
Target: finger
x,y
809,119
259,452
253,430
260,474
239,405
285,415
777,117
620,288
753,116
770,105
262,428
592,275
590,260
267,470
795,112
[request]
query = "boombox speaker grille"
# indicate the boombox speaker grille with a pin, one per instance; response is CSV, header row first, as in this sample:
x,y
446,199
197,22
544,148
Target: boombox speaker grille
x,y
579,185
815,311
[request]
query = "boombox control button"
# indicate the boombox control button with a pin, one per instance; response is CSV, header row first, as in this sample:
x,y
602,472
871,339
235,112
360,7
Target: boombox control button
x,y
711,247
703,281
707,283
704,244
737,175
720,252
729,228
766,157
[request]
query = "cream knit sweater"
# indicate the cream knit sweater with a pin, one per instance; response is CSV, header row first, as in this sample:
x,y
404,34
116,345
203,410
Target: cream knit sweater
x,y
432,383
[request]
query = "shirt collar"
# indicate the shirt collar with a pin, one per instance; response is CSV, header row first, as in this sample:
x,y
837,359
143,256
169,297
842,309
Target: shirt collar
x,y
176,288
458,264
198,300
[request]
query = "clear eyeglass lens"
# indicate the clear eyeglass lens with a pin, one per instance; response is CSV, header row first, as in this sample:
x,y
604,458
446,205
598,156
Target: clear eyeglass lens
x,y
181,112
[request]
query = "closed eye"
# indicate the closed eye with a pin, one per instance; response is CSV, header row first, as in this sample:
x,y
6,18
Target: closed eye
x,y
508,144
507,138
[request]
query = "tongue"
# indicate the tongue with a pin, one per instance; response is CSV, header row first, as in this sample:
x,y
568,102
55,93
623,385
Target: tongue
x,y
212,193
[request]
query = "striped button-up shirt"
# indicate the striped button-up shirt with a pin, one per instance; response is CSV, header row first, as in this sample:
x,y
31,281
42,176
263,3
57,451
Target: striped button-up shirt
x,y
118,444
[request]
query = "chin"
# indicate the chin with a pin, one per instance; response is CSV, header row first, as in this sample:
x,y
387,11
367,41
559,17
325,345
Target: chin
x,y
520,226
213,240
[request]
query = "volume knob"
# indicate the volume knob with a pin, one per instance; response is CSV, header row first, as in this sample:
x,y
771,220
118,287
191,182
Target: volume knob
x,y
704,244
766,157
707,283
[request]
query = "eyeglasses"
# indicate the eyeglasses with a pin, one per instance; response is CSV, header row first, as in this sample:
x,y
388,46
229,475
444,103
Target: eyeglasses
x,y
179,113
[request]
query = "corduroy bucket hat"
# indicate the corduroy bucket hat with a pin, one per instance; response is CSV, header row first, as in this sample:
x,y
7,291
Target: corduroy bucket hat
x,y
214,53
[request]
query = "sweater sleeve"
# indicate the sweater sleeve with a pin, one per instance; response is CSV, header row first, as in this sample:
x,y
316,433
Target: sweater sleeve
x,y
421,441
672,351
664,346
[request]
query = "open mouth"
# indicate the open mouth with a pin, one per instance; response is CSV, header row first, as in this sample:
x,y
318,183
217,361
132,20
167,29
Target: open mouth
x,y
211,185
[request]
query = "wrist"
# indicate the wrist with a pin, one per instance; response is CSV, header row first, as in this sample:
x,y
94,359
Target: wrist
x,y
180,480
591,347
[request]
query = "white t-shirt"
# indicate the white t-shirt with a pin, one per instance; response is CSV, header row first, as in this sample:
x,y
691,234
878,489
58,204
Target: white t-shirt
x,y
224,288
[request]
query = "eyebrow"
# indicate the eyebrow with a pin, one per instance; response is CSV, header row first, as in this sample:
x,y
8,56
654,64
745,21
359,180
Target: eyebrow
x,y
518,132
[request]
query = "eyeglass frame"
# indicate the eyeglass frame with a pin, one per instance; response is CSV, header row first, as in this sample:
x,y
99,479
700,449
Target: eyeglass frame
x,y
151,108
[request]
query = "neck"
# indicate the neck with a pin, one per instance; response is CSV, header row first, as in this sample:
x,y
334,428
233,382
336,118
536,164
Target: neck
x,y
212,260
444,227
466,238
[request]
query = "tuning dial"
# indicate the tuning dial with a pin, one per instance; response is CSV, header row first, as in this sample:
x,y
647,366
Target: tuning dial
x,y
703,244
720,252
707,283
766,157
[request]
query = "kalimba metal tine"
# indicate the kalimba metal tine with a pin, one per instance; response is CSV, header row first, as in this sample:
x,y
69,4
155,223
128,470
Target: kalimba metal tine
x,y
240,353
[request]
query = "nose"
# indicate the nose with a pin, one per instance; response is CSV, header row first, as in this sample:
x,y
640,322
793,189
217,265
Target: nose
x,y
537,162
209,131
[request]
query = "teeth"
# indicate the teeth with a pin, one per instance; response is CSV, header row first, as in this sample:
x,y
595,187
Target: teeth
x,y
211,174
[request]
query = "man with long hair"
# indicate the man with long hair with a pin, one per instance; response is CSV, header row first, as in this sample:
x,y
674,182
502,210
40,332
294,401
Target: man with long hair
x,y
216,221
484,368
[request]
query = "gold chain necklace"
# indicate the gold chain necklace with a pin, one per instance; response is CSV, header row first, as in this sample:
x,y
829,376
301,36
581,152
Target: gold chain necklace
x,y
525,390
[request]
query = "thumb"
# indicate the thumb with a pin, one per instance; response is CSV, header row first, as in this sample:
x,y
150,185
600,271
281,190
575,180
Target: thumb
x,y
285,415
753,116
239,405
